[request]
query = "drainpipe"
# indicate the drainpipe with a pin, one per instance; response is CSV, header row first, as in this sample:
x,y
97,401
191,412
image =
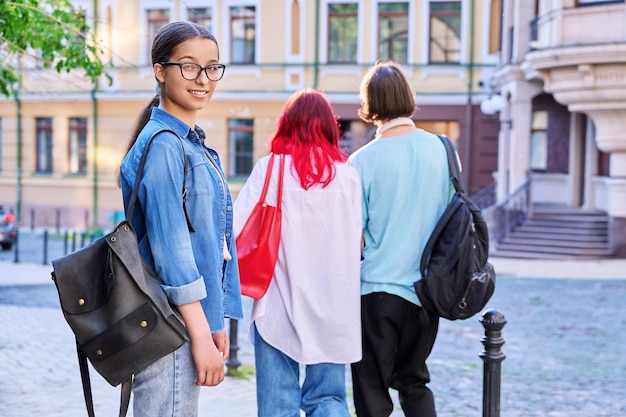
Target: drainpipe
x,y
18,208
469,112
94,106
316,64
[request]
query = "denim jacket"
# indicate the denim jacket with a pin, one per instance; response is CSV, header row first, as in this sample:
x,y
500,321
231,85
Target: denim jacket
x,y
190,263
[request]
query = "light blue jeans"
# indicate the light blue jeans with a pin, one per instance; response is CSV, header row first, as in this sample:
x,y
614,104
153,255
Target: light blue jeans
x,y
323,392
167,387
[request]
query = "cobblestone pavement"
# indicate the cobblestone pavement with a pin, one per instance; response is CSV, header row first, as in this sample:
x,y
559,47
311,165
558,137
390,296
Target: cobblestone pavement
x,y
564,346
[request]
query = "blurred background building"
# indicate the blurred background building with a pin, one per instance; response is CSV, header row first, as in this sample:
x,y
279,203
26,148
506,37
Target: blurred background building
x,y
559,92
531,92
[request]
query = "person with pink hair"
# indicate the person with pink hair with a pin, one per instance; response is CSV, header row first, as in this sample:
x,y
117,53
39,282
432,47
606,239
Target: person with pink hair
x,y
310,314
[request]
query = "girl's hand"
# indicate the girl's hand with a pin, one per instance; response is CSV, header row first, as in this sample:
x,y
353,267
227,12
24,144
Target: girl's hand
x,y
223,343
204,348
209,362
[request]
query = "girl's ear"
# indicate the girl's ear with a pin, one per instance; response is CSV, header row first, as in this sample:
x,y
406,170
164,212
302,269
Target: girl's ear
x,y
159,72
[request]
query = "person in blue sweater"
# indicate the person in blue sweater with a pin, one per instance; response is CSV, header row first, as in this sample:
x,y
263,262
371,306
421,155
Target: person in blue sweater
x,y
405,189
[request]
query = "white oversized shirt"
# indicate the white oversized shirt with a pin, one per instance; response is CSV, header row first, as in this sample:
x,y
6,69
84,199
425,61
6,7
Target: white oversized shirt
x,y
311,311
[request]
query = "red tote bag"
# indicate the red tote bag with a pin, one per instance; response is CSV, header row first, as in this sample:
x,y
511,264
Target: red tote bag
x,y
258,242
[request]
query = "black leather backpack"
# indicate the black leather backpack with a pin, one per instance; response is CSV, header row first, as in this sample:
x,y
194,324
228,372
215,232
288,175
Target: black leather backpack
x,y
457,280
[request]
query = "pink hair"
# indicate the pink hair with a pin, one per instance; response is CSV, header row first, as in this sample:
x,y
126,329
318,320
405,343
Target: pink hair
x,y
308,131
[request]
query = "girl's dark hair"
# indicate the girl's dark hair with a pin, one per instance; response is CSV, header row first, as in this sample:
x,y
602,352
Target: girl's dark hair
x,y
165,41
308,131
386,93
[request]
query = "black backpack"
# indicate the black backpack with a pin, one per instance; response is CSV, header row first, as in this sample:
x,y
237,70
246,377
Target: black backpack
x,y
457,281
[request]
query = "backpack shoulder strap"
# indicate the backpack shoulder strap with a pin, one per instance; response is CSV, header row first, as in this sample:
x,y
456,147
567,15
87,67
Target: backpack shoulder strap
x,y
142,162
453,163
455,177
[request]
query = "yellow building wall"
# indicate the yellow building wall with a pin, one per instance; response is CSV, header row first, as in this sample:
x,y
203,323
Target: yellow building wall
x,y
255,92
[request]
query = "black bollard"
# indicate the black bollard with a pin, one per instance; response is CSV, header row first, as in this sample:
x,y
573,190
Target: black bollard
x,y
232,363
16,246
73,241
32,220
65,242
45,247
58,221
493,322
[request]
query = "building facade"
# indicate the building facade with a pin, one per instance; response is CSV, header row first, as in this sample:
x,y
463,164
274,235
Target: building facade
x,y
62,138
560,87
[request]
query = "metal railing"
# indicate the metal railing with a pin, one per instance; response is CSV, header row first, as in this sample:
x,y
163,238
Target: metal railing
x,y
505,217
485,197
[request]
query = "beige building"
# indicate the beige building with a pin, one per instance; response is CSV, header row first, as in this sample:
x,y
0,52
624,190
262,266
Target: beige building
x,y
62,139
561,103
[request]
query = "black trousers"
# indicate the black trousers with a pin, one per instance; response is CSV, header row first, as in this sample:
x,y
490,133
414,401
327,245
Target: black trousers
x,y
398,336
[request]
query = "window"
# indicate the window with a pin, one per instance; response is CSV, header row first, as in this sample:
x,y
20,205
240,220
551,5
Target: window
x,y
495,26
240,141
295,28
393,29
77,146
44,145
445,32
157,18
539,141
243,34
201,16
342,33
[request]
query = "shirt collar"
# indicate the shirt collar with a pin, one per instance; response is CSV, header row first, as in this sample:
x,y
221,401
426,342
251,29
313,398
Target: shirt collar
x,y
181,128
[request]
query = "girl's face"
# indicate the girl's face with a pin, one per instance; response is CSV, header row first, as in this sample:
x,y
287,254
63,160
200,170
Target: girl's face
x,y
180,97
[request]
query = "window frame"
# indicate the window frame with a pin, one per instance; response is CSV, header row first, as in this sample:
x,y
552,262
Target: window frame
x,y
156,23
538,144
237,132
249,45
77,132
379,16
198,19
330,17
44,127
145,42
432,15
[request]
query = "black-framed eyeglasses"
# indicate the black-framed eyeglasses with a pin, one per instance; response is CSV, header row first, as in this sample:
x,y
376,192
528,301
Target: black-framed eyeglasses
x,y
191,71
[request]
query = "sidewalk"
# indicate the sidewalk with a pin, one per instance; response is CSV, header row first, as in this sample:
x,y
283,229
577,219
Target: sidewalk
x,y
556,325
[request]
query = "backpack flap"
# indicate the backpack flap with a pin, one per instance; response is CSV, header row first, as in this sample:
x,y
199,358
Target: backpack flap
x,y
79,293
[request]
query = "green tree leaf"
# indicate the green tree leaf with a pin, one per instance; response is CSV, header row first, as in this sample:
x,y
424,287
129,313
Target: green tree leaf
x,y
52,30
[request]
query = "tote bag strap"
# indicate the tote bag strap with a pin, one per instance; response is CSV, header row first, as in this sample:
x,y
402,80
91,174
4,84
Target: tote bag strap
x,y
268,177
281,173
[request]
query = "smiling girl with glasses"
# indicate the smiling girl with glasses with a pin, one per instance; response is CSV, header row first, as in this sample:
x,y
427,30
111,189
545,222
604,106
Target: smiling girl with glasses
x,y
186,237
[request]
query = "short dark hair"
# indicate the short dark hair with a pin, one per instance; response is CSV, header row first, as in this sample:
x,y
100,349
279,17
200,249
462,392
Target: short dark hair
x,y
386,93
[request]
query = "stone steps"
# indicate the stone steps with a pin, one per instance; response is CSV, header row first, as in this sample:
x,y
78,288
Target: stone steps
x,y
558,233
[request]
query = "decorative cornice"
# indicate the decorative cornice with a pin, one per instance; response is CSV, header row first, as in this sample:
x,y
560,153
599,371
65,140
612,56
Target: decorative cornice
x,y
548,59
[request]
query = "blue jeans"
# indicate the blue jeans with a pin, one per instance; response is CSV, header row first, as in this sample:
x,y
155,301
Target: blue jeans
x,y
167,387
323,392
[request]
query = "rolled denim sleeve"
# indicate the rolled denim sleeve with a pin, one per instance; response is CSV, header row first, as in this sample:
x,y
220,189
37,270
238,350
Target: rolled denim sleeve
x,y
160,195
185,294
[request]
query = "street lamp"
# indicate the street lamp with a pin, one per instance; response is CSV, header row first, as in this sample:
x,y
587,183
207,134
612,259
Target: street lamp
x,y
493,104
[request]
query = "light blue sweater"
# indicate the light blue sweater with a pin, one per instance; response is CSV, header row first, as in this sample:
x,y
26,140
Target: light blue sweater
x,y
406,187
